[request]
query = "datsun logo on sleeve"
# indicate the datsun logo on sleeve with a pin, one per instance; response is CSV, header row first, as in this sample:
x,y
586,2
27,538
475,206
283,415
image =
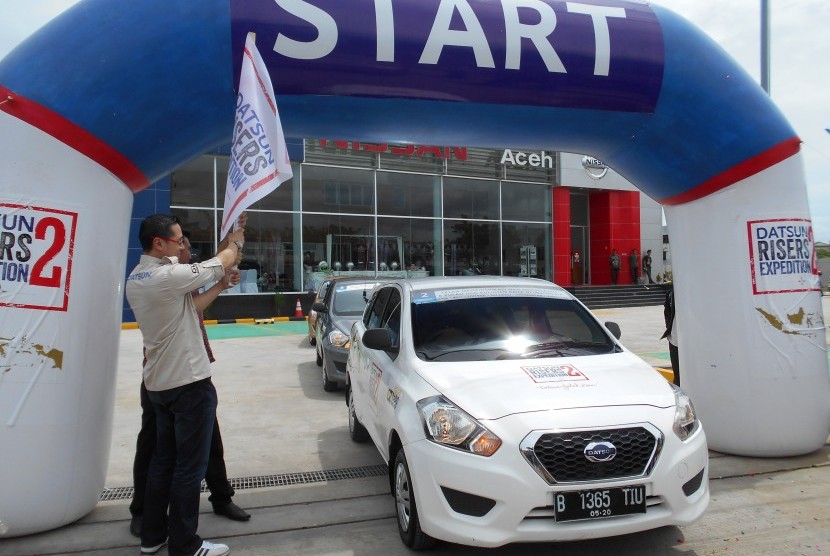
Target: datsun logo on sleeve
x,y
555,373
36,246
782,256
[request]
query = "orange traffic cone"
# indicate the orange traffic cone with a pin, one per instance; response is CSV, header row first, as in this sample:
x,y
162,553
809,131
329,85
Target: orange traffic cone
x,y
298,309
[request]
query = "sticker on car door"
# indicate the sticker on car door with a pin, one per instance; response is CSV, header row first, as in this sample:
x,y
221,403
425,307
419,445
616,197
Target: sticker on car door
x,y
375,375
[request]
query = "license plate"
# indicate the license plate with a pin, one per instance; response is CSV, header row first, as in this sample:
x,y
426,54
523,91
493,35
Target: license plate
x,y
600,503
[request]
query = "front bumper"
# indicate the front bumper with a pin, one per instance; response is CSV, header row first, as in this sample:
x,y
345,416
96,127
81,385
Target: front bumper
x,y
520,501
335,360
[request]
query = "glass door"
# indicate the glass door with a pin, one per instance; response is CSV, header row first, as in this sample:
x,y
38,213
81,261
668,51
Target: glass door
x,y
579,255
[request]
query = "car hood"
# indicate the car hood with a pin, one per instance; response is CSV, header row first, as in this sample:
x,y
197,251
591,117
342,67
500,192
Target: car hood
x,y
494,389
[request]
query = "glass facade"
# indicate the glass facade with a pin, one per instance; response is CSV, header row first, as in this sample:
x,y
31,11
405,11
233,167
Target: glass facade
x,y
377,209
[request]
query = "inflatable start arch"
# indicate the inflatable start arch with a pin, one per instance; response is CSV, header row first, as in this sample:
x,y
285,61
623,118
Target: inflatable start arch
x,y
112,95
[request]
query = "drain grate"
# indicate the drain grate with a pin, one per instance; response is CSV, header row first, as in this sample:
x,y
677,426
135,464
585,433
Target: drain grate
x,y
264,481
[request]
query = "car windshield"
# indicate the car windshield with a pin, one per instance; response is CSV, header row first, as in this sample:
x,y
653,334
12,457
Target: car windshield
x,y
349,300
482,329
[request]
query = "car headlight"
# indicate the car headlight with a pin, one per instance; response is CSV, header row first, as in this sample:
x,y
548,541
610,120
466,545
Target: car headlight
x,y
685,420
338,339
446,424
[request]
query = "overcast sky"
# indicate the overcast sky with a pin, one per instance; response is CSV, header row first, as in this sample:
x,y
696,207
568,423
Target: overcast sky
x,y
800,58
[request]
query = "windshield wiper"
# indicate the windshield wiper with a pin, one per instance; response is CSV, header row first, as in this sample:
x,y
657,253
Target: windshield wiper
x,y
544,348
429,356
562,348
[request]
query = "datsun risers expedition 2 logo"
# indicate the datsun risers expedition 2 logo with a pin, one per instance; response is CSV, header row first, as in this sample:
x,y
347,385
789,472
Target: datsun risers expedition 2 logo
x,y
36,245
782,256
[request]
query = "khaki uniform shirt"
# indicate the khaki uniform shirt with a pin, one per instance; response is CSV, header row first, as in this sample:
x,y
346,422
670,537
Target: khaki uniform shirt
x,y
158,291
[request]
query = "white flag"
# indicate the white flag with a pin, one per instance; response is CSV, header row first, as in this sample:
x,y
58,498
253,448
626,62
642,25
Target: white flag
x,y
259,159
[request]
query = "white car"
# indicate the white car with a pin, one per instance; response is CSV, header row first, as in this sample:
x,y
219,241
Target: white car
x,y
508,413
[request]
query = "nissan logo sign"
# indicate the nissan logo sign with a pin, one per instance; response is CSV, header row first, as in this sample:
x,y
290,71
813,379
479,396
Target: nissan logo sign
x,y
594,167
600,451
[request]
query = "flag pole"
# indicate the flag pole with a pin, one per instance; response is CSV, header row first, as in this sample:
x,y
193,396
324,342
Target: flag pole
x,y
765,65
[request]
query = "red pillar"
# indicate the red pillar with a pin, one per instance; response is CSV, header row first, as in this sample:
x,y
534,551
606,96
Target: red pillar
x,y
561,197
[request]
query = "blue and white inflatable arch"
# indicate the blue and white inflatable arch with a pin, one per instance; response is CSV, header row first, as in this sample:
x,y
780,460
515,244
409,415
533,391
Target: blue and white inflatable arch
x,y
111,96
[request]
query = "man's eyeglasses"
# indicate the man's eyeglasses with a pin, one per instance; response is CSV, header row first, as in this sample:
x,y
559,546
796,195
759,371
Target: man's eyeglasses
x,y
180,240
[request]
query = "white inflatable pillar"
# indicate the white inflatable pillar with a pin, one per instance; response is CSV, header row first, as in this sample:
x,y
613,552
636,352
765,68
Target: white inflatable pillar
x,y
63,240
751,331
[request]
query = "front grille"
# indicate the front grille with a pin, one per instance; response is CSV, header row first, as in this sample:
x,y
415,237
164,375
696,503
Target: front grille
x,y
560,456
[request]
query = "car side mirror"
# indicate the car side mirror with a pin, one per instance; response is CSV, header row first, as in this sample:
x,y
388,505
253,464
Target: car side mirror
x,y
320,307
614,329
377,338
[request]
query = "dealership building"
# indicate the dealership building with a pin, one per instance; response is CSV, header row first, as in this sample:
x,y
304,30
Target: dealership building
x,y
393,210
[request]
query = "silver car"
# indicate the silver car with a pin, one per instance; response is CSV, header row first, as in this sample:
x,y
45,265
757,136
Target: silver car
x,y
342,305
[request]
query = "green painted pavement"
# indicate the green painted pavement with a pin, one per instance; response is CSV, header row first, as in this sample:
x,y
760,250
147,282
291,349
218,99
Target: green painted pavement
x,y
225,331
657,355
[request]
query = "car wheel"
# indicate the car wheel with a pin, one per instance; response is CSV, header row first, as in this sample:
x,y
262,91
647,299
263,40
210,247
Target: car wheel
x,y
409,526
356,429
328,385
319,357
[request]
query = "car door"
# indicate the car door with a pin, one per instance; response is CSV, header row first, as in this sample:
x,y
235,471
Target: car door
x,y
390,386
365,375
321,325
312,314
384,375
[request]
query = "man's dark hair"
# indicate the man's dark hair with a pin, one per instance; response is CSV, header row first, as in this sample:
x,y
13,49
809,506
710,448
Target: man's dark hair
x,y
156,225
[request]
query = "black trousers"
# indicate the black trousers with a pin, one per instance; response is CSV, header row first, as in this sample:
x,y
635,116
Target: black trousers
x,y
216,475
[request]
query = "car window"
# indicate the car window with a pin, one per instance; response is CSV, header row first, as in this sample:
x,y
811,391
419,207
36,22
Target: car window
x,y
376,313
367,313
477,329
349,300
392,316
328,293
324,288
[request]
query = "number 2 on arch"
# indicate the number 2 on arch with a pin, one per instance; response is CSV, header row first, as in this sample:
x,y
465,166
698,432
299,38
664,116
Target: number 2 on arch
x,y
38,276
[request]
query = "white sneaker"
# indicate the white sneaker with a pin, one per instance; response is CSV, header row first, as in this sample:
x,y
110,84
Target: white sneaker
x,y
212,549
153,549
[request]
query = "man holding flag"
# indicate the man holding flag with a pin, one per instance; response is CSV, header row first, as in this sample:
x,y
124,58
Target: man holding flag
x,y
259,159
259,164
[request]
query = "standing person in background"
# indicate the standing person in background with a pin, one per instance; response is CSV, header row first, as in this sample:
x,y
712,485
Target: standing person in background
x,y
177,379
647,266
634,265
670,334
216,475
576,269
615,261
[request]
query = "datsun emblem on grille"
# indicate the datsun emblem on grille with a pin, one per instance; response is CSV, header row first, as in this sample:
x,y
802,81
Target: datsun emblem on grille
x,y
600,451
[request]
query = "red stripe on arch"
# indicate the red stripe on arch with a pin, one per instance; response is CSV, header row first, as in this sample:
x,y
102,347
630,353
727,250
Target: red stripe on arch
x,y
745,169
74,136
